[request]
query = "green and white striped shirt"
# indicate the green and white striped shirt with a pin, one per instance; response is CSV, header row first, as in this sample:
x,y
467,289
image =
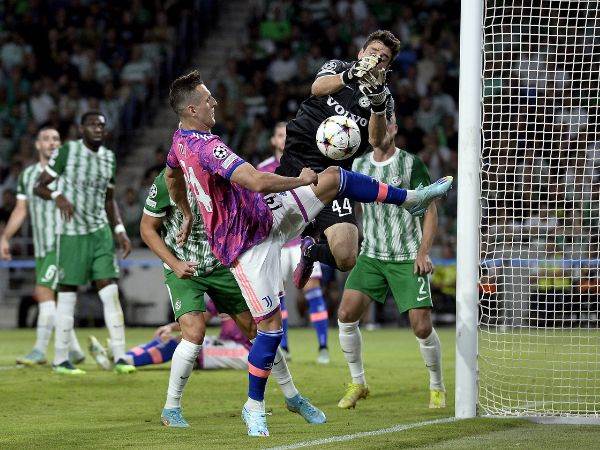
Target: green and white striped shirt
x,y
42,213
83,178
159,204
390,232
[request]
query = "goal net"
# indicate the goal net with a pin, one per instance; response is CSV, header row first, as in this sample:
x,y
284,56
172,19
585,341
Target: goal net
x,y
538,334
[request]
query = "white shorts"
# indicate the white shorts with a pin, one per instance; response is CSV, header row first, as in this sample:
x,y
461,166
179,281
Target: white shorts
x,y
290,257
258,270
218,354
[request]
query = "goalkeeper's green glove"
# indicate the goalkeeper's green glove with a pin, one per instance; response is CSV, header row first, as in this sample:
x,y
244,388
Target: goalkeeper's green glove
x,y
373,85
359,68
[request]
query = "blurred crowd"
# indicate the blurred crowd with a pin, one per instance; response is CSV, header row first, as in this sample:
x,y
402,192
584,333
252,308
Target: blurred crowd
x,y
103,56
61,58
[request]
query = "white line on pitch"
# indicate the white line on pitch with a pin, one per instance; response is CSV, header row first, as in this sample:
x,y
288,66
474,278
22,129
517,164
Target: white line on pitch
x,y
349,437
11,367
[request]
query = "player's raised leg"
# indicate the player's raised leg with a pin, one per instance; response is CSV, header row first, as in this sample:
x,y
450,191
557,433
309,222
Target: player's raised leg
x,y
353,305
335,181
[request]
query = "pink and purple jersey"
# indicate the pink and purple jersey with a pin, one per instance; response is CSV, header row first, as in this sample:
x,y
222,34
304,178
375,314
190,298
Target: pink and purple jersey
x,y
235,218
270,165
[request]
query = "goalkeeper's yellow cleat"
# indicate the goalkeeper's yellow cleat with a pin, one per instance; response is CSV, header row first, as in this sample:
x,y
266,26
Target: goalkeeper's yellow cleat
x,y
437,399
353,394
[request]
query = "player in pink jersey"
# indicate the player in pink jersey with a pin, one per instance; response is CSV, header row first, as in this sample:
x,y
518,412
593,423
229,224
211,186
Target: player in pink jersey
x,y
290,258
249,215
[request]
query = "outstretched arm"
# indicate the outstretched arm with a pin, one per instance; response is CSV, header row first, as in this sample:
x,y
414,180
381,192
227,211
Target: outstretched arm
x,y
267,183
16,219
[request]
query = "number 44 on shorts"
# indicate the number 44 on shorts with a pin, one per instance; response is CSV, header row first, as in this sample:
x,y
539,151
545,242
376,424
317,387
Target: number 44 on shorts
x,y
344,209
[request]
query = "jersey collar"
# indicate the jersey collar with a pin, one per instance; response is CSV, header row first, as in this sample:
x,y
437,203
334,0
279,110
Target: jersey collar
x,y
387,162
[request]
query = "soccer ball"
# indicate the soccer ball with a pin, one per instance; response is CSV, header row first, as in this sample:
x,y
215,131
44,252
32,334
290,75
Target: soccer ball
x,y
338,137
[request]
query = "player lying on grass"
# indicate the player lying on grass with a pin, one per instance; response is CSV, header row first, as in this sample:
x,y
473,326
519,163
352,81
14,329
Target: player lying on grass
x,y
191,270
42,214
290,257
394,257
85,196
249,215
228,350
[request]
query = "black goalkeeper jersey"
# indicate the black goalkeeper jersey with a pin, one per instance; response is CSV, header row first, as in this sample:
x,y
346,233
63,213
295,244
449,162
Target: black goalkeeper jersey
x,y
300,143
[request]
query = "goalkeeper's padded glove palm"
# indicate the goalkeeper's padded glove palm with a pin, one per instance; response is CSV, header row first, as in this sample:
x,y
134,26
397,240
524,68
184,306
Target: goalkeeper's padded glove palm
x,y
359,68
373,85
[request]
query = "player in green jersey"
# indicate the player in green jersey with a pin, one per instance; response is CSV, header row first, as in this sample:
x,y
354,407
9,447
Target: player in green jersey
x,y
42,214
85,170
191,270
395,257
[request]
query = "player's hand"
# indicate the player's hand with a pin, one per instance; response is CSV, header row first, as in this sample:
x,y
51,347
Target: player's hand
x,y
359,68
308,177
184,269
65,207
185,230
163,333
423,264
5,249
124,244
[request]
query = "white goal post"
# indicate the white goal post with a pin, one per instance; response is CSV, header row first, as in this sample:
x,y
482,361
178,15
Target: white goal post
x,y
528,244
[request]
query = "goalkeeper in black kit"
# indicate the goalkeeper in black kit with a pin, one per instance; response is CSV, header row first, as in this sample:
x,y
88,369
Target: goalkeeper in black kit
x,y
357,90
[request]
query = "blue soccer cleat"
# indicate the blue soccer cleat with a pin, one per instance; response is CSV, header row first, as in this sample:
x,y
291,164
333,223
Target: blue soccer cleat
x,y
33,358
302,406
172,418
256,421
425,195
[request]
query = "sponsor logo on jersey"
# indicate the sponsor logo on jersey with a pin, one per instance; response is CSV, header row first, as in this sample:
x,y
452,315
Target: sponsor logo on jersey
x,y
341,111
220,151
395,181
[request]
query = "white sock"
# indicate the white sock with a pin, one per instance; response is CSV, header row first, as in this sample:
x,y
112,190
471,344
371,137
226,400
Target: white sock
x,y
351,343
74,346
182,365
283,376
254,405
45,325
113,317
65,311
431,350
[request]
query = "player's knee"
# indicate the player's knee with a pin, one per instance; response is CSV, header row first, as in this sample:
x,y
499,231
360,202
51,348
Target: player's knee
x,y
345,262
348,314
194,335
331,174
422,329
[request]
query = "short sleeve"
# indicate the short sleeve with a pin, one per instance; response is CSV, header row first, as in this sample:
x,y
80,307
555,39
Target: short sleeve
x,y
21,188
172,160
58,161
215,157
419,174
332,67
158,201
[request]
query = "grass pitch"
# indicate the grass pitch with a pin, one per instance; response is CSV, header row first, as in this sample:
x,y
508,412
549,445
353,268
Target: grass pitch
x,y
104,410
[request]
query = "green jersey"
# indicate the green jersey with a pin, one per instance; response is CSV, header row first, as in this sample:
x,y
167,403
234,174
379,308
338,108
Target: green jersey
x,y
159,204
390,232
83,178
42,213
